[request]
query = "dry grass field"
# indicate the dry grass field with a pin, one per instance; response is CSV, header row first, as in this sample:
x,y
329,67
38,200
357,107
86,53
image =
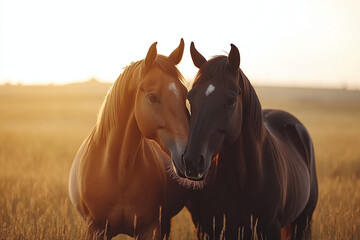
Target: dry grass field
x,y
41,128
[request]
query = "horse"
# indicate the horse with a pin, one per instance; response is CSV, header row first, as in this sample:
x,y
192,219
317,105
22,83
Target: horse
x,y
258,165
119,179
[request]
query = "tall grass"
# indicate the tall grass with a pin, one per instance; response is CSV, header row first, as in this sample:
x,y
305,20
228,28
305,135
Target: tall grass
x,y
41,129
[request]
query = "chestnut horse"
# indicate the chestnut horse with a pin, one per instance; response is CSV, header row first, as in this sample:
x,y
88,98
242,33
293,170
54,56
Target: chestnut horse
x,y
119,181
258,165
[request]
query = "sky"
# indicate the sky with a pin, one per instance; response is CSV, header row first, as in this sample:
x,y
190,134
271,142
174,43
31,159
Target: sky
x,y
308,43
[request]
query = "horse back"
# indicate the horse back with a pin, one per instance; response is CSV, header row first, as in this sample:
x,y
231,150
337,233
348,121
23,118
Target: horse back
x,y
286,127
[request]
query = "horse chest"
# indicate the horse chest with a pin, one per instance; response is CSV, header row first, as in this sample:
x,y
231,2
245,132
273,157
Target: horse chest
x,y
236,207
217,201
119,196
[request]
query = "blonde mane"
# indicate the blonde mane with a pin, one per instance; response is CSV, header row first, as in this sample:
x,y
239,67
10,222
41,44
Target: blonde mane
x,y
116,96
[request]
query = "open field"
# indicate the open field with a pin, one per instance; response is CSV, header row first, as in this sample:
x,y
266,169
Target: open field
x,y
41,128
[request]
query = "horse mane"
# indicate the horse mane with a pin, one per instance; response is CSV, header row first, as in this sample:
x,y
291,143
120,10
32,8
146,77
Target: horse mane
x,y
121,94
218,68
252,108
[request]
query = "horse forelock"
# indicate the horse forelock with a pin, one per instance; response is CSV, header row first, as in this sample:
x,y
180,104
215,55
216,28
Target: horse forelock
x,y
215,68
167,66
122,92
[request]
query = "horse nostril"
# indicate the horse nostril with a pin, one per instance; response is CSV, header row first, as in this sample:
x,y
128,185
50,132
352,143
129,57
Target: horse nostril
x,y
201,164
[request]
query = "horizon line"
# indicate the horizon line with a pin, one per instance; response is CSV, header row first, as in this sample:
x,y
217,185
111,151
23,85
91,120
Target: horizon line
x,y
104,82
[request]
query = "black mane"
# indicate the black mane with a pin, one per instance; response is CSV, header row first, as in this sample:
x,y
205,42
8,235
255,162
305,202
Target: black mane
x,y
252,107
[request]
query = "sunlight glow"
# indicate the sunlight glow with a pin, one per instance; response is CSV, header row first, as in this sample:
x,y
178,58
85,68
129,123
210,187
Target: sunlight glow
x,y
293,43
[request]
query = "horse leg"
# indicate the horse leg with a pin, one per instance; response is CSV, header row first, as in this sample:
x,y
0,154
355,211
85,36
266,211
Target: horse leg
x,y
165,229
93,231
301,227
200,234
286,233
274,232
152,232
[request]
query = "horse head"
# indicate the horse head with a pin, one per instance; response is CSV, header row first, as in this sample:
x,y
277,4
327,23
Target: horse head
x,y
160,109
216,111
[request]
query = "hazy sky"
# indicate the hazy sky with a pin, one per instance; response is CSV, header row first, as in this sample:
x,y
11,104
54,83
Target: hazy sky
x,y
288,42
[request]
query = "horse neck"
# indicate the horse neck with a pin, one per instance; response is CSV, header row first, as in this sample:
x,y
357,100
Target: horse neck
x,y
243,158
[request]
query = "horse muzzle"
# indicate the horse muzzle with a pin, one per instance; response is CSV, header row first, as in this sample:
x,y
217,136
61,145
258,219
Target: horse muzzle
x,y
194,167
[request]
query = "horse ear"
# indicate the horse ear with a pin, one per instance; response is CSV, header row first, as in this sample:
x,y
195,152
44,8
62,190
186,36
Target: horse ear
x,y
151,55
197,58
234,58
177,54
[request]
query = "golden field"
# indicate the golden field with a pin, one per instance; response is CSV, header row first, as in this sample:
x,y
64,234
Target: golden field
x,y
41,128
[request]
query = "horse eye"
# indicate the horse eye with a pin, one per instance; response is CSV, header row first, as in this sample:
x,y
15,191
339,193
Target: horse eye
x,y
152,98
231,102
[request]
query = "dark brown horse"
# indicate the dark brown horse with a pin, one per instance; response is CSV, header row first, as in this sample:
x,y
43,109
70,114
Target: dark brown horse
x,y
119,180
258,165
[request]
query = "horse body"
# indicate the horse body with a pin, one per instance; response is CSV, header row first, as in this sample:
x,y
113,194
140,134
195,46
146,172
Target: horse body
x,y
117,188
119,181
261,163
301,190
273,189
